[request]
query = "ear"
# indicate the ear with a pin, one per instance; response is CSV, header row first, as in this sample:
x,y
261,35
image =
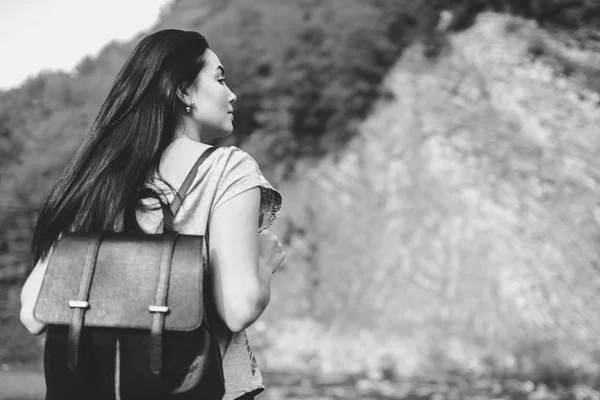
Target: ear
x,y
182,93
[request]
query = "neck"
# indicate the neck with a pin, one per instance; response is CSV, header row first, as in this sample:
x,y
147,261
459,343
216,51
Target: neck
x,y
188,129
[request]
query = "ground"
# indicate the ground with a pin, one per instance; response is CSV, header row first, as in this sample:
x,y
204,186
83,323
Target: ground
x,y
25,384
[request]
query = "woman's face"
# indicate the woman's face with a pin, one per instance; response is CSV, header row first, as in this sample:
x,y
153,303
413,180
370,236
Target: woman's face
x,y
212,112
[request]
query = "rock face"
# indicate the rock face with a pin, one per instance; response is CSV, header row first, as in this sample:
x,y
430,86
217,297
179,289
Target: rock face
x,y
468,205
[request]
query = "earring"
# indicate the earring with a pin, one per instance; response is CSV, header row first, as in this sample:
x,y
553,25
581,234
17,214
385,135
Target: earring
x,y
189,108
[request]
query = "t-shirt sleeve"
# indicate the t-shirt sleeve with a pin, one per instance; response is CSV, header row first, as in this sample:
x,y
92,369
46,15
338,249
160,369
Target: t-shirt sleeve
x,y
242,173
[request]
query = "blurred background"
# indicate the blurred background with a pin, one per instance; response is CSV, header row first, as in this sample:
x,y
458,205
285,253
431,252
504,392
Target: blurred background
x,y
438,161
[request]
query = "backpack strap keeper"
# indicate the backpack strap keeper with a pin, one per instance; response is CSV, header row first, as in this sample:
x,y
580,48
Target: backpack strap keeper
x,y
158,309
78,304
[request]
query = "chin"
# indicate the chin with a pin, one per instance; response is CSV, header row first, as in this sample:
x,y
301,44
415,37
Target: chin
x,y
228,129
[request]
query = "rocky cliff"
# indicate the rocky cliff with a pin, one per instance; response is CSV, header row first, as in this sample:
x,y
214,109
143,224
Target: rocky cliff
x,y
467,206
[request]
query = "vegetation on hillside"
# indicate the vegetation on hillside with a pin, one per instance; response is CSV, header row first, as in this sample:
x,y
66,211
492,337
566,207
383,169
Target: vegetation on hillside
x,y
579,19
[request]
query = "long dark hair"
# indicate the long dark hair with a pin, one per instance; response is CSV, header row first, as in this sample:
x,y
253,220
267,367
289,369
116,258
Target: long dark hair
x,y
135,124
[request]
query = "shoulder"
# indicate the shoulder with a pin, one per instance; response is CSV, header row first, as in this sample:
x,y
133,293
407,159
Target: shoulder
x,y
235,160
181,155
234,153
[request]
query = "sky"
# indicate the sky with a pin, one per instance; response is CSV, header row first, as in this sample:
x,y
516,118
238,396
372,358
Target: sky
x,y
38,35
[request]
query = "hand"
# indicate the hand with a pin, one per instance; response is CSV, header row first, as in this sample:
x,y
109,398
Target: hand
x,y
270,254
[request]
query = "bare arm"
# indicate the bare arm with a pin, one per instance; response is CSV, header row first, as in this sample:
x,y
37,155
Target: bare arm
x,y
29,295
241,286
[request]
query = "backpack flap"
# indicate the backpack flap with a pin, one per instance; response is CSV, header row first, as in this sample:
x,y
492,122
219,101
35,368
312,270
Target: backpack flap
x,y
124,282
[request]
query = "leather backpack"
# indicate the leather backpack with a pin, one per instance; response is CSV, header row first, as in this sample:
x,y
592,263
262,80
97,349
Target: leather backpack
x,y
127,317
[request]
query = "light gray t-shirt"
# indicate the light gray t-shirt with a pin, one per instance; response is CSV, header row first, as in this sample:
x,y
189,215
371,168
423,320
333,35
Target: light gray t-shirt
x,y
228,172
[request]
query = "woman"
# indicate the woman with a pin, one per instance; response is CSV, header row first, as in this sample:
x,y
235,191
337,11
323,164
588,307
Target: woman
x,y
168,100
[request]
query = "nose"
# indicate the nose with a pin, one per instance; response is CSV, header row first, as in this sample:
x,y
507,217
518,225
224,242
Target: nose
x,y
232,97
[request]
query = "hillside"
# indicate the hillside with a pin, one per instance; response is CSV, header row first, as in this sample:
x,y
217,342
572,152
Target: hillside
x,y
467,208
439,171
